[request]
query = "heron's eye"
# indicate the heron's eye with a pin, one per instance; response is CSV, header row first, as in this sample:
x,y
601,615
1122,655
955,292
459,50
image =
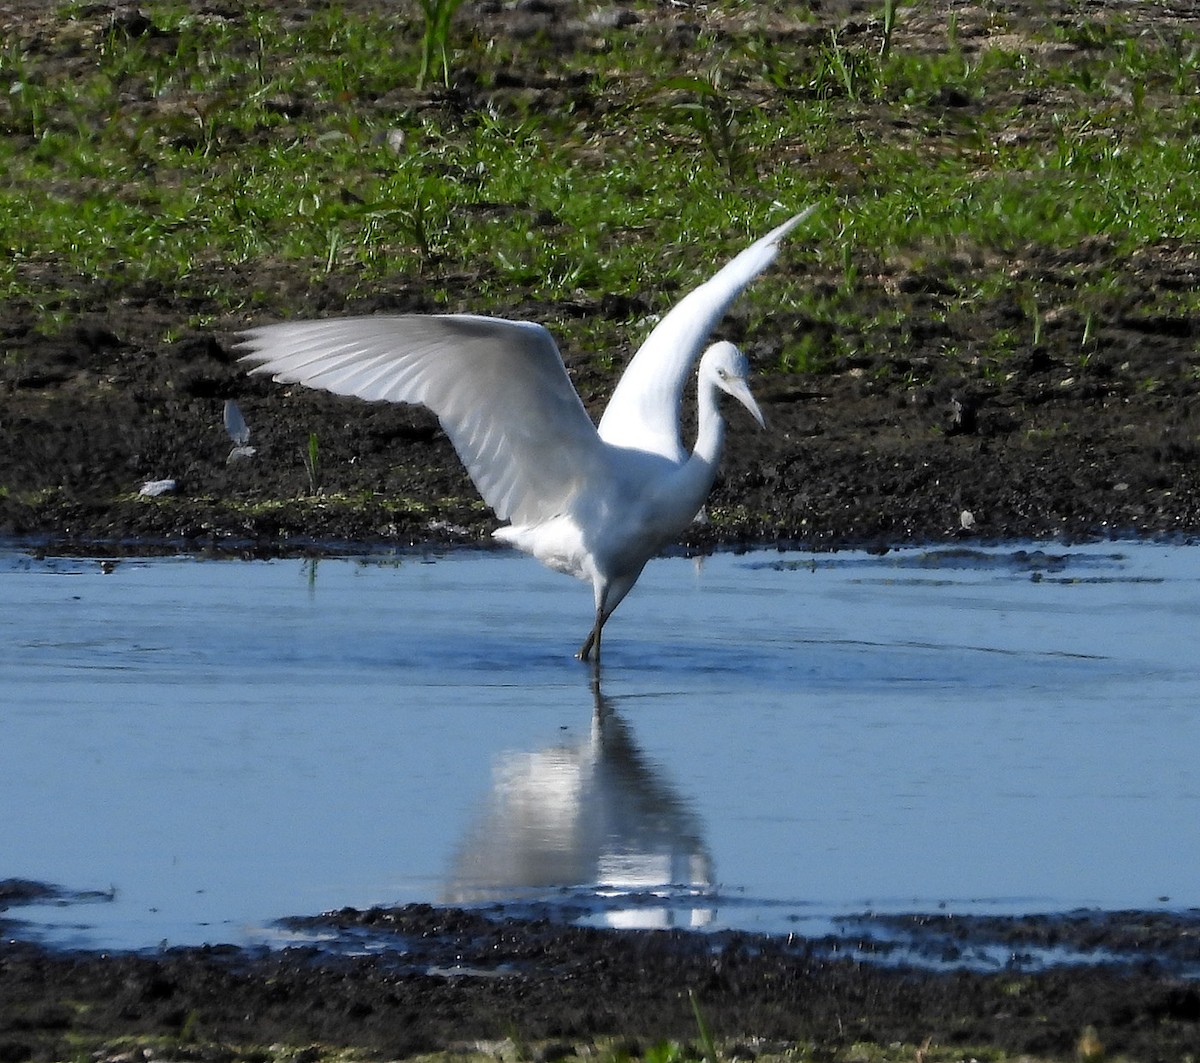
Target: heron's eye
x,y
722,374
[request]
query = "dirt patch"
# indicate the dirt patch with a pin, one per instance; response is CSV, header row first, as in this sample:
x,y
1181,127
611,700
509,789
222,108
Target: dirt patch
x,y
447,977
881,451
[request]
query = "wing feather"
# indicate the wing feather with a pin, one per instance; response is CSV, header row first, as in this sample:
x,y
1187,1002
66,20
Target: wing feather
x,y
499,389
644,409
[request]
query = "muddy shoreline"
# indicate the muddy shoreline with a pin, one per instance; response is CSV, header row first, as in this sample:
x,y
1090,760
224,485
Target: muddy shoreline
x,y
440,979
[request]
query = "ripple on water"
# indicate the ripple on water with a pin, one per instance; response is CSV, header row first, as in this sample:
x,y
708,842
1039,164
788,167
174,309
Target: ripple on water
x,y
781,739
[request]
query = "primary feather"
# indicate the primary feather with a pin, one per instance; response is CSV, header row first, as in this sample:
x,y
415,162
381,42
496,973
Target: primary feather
x,y
498,388
596,503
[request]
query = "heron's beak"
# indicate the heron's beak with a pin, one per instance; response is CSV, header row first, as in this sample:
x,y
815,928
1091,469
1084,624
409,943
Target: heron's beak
x,y
740,390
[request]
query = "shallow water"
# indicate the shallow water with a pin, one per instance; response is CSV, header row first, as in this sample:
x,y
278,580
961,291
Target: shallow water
x,y
780,739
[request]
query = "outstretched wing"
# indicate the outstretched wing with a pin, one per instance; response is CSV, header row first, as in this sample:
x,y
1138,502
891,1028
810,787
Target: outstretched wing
x,y
644,409
499,389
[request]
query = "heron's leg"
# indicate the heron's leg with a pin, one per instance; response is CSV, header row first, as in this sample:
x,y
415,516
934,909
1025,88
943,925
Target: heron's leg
x,y
600,589
603,609
593,639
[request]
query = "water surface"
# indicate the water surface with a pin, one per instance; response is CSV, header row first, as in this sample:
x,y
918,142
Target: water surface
x,y
778,739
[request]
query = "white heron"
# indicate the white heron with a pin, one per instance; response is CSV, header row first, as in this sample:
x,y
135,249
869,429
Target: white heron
x,y
596,502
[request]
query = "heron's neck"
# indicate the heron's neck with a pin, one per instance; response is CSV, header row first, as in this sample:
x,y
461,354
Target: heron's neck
x,y
710,432
684,493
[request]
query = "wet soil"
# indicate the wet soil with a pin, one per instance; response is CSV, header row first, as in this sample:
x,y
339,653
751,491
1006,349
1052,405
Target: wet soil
x,y
882,452
877,450
445,978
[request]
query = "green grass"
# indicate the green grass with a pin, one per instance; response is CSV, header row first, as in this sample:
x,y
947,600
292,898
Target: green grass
x,y
435,40
304,143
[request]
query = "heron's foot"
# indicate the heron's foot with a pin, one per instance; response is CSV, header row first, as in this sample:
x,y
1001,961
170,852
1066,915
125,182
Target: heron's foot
x,y
590,643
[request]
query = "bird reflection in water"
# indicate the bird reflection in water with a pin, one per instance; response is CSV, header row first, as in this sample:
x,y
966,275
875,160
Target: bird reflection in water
x,y
592,822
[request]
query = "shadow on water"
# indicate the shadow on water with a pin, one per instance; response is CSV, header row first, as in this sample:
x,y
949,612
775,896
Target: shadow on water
x,y
591,827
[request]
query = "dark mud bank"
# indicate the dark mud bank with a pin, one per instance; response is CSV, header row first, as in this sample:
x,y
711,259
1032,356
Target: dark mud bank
x,y
442,977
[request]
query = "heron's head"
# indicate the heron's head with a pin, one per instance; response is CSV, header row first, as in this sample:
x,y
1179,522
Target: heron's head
x,y
728,368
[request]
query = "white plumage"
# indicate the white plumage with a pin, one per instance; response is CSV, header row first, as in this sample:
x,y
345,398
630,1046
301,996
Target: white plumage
x,y
597,503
